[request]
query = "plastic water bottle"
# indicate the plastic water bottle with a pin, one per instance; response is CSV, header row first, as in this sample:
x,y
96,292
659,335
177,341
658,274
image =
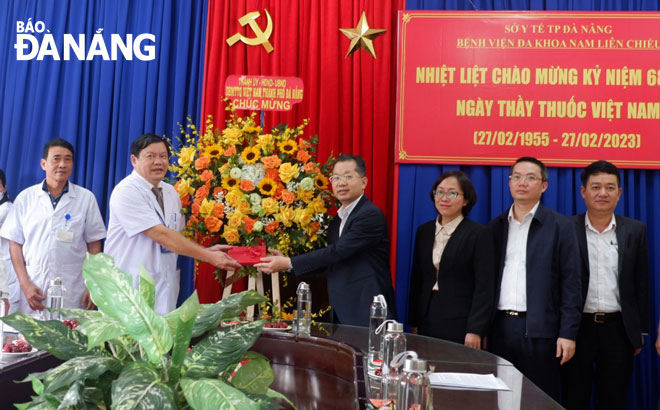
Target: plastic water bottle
x,y
55,298
394,342
377,315
415,387
304,319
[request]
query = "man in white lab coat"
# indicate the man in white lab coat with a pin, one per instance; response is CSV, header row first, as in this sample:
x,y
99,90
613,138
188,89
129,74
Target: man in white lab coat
x,y
51,228
145,224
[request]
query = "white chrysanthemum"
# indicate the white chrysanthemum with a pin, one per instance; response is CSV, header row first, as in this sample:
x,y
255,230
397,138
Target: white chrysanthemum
x,y
253,172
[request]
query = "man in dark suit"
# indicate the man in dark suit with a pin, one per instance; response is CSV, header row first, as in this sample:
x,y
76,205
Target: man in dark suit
x,y
538,287
357,255
615,272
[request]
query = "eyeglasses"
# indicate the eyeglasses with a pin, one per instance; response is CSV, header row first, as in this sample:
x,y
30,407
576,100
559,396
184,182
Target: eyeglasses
x,y
530,179
449,194
346,178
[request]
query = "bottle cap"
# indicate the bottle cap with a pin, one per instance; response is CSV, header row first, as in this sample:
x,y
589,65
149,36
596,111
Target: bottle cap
x,y
395,327
414,365
56,282
302,286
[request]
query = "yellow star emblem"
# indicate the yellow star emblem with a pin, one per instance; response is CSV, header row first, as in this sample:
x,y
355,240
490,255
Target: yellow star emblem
x,y
362,36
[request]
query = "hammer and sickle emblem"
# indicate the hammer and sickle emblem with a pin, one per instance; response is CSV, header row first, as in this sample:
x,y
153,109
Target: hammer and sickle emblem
x,y
261,37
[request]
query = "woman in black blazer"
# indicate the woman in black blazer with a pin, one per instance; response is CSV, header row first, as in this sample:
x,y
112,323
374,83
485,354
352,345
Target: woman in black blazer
x,y
452,279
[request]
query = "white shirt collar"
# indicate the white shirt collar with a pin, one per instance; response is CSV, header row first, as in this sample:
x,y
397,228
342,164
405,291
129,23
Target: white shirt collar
x,y
529,215
148,184
345,211
450,226
588,225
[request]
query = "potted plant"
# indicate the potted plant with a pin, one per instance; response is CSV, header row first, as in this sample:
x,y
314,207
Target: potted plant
x,y
126,356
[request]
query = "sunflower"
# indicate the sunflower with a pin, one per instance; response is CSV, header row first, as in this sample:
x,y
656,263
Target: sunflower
x,y
267,186
321,182
288,147
230,183
250,155
213,151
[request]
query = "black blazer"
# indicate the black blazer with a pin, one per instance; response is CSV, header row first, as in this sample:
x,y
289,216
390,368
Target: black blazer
x,y
554,297
465,277
633,273
358,264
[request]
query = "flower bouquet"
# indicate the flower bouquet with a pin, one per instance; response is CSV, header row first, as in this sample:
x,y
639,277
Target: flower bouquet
x,y
242,187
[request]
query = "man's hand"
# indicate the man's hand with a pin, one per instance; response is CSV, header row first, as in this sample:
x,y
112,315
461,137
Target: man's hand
x,y
221,260
657,342
271,264
565,349
6,306
86,301
222,248
639,349
34,296
473,340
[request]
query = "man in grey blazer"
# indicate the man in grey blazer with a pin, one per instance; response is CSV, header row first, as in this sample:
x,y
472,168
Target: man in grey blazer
x,y
614,265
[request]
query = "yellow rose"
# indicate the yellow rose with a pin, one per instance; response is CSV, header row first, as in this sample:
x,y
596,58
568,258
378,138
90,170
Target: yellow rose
x,y
234,197
245,207
302,217
231,235
317,206
270,205
231,136
304,195
285,216
288,172
206,209
234,220
186,156
184,188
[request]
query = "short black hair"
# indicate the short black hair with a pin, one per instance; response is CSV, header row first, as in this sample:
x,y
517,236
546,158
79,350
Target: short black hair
x,y
57,142
469,193
360,165
544,169
143,141
3,179
599,167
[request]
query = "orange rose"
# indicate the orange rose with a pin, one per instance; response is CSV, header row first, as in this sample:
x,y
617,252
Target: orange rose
x,y
271,162
247,185
202,162
273,174
230,151
313,227
185,201
288,197
303,156
213,224
206,175
272,227
216,191
310,168
249,224
195,207
192,221
202,192
304,144
219,210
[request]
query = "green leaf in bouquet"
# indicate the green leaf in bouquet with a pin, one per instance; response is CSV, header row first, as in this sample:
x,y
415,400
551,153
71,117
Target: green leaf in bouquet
x,y
213,394
255,376
101,329
183,333
139,386
147,287
51,335
228,307
73,395
113,292
37,385
220,349
78,368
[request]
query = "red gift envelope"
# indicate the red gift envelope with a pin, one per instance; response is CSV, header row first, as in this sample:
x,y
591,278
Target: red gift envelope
x,y
247,255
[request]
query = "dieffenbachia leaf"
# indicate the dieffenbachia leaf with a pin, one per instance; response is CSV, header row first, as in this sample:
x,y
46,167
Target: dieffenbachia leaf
x,y
147,287
78,368
277,395
220,349
182,335
264,402
73,395
229,307
139,386
80,315
51,335
101,329
255,376
212,394
114,294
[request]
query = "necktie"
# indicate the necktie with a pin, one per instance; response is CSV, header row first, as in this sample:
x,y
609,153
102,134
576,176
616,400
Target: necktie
x,y
159,197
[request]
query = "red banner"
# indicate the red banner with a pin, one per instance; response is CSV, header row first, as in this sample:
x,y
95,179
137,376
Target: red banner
x,y
489,87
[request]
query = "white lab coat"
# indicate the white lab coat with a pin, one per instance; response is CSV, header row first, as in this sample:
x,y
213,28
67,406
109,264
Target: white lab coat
x,y
13,288
4,252
133,210
54,245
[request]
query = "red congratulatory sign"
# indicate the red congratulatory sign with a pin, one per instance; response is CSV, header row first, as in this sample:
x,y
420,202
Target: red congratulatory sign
x,y
568,88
